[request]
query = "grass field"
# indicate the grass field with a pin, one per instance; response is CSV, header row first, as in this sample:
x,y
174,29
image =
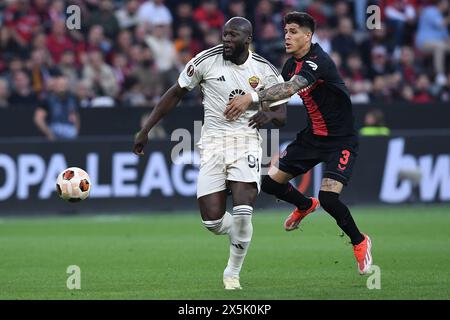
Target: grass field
x,y
171,256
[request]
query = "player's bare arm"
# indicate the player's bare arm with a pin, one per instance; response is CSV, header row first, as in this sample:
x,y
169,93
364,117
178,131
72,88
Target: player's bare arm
x,y
168,101
331,185
240,104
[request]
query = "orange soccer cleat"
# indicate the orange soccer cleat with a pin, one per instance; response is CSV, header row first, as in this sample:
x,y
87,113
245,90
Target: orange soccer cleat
x,y
363,255
297,215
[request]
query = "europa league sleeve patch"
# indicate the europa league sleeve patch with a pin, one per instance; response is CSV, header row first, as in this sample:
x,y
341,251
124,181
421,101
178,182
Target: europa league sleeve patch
x,y
190,71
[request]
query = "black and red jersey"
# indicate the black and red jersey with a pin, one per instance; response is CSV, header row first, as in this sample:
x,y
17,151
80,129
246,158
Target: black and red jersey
x,y
326,97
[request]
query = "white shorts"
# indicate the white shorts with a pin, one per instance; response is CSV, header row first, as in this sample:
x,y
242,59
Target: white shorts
x,y
218,165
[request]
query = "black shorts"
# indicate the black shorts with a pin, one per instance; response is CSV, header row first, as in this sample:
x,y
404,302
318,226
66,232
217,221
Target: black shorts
x,y
305,152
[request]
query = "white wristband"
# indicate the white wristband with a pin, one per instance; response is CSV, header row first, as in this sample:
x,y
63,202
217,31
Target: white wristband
x,y
255,97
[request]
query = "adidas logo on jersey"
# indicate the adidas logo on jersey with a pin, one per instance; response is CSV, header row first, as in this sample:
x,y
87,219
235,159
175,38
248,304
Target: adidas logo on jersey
x,y
221,78
312,65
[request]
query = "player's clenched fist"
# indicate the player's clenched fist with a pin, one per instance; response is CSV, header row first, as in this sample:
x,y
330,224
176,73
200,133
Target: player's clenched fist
x,y
260,119
140,140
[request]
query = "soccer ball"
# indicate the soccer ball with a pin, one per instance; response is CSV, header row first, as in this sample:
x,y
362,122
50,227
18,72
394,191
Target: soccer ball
x,y
73,184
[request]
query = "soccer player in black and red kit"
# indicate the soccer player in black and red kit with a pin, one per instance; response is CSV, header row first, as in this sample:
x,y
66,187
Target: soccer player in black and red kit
x,y
329,137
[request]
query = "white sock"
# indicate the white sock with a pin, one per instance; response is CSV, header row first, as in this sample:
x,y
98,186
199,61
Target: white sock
x,y
240,237
220,226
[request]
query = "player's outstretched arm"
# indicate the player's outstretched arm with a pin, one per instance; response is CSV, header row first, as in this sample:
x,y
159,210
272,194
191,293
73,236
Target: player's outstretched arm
x,y
168,101
283,90
279,91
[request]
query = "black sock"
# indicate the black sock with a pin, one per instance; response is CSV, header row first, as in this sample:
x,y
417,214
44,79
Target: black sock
x,y
330,203
286,192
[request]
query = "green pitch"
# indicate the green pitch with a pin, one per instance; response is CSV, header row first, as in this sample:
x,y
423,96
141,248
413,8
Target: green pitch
x,y
171,256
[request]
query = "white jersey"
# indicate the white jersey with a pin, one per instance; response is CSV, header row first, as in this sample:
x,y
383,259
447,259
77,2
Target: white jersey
x,y
220,80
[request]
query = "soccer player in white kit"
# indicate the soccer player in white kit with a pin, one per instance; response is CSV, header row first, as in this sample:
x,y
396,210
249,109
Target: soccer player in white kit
x,y
230,151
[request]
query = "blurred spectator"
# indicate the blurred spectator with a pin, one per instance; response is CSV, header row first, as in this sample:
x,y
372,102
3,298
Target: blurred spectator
x,y
271,46
264,13
377,37
341,10
432,35
380,91
22,95
357,81
22,21
208,16
41,71
105,17
421,90
148,75
68,68
57,117
58,41
155,13
355,69
406,93
124,42
322,36
444,94
56,11
132,95
185,40
336,57
14,65
127,16
8,46
99,76
140,33
4,93
97,40
41,8
343,42
380,64
40,41
407,67
400,14
317,10
213,37
146,51
164,54
134,55
236,8
83,94
184,15
120,67
374,124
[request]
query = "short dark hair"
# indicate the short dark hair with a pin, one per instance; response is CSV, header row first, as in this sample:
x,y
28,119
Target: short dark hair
x,y
302,19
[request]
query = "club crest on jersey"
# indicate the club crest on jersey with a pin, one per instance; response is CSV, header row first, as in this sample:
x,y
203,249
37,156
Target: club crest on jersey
x,y
190,71
253,81
312,65
236,92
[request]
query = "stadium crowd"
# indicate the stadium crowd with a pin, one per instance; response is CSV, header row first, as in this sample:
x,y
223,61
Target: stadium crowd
x,y
128,52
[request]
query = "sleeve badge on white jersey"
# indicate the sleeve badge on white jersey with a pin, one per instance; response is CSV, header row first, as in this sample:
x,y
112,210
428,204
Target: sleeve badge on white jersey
x,y
253,81
190,71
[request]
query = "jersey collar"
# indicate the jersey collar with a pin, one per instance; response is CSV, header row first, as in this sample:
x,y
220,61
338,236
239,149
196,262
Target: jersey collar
x,y
306,54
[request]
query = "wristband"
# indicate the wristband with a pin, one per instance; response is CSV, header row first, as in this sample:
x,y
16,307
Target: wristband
x,y
255,97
